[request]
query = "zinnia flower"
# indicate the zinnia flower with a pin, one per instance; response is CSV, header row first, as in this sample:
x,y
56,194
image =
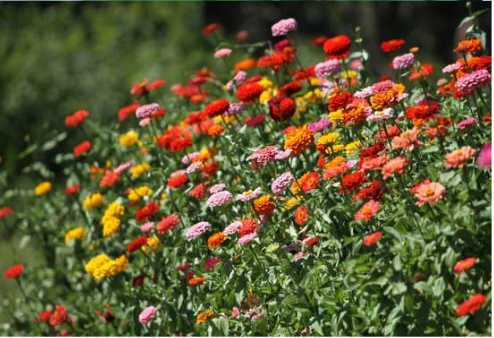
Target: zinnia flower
x,y
77,118
457,158
471,305
137,243
281,183
168,223
428,192
42,188
247,238
216,240
391,45
301,215
463,124
467,84
197,280
14,271
330,67
217,107
485,157
396,165
403,61
197,229
204,316
219,198
264,205
147,314
299,139
211,262
249,92
221,53
209,29
284,26
147,110
338,46
5,212
368,210
465,264
371,239
249,195
59,316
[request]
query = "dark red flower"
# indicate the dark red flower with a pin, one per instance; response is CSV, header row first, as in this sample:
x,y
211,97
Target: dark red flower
x,y
136,244
352,181
290,88
212,27
471,305
254,121
372,192
82,148
338,46
249,92
14,271
183,267
217,107
138,280
77,118
391,45
340,100
5,212
281,108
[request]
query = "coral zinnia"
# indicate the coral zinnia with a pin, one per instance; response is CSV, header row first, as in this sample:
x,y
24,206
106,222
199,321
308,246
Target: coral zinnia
x,y
338,46
77,118
465,264
368,210
372,239
428,192
217,107
168,223
471,305
301,215
457,158
391,45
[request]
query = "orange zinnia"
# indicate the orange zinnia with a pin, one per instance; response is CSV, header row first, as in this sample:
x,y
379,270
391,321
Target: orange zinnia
x,y
216,239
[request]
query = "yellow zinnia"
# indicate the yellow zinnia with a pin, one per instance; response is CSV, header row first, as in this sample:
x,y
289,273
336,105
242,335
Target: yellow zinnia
x,y
42,188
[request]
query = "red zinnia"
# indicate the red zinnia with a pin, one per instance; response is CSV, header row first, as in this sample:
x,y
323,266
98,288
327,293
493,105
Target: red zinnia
x,y
311,241
168,223
72,189
212,27
249,92
290,88
254,121
180,144
138,280
217,107
136,244
464,265
281,108
82,148
353,181
125,112
340,100
59,316
391,45
309,181
372,192
45,316
372,239
14,271
319,40
210,168
109,179
248,226
338,46
146,212
198,191
5,212
177,180
471,305
77,118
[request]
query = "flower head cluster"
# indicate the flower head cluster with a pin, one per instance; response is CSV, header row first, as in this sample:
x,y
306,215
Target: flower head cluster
x,y
284,26
197,229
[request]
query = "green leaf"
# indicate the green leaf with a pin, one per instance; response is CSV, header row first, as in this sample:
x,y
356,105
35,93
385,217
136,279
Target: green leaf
x,y
393,232
222,324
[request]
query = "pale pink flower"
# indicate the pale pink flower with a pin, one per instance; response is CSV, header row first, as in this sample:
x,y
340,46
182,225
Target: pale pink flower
x,y
457,158
147,226
452,67
219,198
240,77
144,122
330,67
232,228
284,26
381,115
364,93
281,183
193,167
197,229
124,166
299,255
249,195
147,314
190,157
147,110
403,61
221,53
283,154
247,238
217,188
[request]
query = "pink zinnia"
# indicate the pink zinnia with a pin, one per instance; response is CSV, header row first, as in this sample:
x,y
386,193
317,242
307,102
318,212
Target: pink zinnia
x,y
249,195
147,110
368,210
403,61
457,158
467,123
283,154
235,312
232,228
485,157
467,84
147,226
382,86
396,165
428,192
284,26
211,262
281,183
407,140
193,167
147,314
190,157
197,229
221,53
326,68
385,114
452,67
263,155
217,188
219,198
247,238
364,93
235,108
